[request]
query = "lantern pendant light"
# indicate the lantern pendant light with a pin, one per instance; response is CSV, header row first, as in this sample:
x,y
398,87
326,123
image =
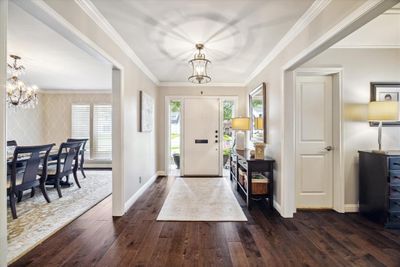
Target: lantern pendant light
x,y
199,66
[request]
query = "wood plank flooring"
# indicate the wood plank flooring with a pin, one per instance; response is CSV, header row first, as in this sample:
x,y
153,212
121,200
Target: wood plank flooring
x,y
322,238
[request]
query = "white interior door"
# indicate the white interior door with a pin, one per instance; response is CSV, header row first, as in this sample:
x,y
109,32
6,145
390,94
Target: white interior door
x,y
201,137
314,155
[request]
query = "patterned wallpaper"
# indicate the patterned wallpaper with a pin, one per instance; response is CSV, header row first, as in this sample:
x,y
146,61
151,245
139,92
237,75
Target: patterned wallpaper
x,y
25,125
50,120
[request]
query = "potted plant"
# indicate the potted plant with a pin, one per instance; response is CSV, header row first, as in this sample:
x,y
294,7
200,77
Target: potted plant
x,y
177,159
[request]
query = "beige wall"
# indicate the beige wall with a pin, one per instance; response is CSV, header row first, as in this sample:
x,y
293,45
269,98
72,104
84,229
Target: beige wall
x,y
360,67
50,121
191,91
25,125
57,113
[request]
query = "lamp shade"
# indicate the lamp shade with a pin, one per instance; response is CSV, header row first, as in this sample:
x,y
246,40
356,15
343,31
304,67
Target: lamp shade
x,y
259,123
241,123
383,111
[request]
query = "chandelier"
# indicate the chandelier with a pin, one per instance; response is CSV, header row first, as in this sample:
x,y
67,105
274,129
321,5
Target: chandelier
x,y
19,94
199,67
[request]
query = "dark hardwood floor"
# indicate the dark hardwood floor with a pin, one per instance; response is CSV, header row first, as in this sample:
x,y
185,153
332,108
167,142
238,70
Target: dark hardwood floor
x,y
323,238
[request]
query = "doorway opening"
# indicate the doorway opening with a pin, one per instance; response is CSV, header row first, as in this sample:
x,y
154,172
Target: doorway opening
x,y
229,109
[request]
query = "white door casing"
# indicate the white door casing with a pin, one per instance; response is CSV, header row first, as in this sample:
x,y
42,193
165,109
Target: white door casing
x,y
201,138
314,158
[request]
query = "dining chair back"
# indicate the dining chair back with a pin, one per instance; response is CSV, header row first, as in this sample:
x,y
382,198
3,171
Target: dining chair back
x,y
22,178
81,152
12,143
67,163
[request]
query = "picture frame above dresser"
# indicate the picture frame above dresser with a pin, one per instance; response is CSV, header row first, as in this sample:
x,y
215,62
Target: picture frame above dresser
x,y
385,91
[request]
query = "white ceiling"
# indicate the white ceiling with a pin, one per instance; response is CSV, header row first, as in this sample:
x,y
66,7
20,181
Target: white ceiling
x,y
51,61
382,32
237,35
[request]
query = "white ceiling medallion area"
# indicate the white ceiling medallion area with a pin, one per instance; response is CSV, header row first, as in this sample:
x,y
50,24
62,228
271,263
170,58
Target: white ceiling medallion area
x,y
172,28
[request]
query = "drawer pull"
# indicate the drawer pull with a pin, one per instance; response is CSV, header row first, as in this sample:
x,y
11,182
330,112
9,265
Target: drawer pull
x,y
396,177
395,190
396,216
395,163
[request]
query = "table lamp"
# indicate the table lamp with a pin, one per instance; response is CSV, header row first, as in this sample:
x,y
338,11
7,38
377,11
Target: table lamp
x,y
382,111
240,124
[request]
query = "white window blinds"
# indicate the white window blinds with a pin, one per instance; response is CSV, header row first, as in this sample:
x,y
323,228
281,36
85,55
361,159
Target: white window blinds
x,y
102,132
80,120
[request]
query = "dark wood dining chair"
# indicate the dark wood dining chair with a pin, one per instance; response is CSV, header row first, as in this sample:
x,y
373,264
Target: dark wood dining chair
x,y
35,158
12,143
20,167
67,164
81,153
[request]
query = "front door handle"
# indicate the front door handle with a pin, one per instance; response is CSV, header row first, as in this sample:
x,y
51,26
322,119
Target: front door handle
x,y
328,148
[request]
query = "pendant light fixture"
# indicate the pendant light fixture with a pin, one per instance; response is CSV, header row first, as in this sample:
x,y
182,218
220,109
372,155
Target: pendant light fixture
x,y
199,66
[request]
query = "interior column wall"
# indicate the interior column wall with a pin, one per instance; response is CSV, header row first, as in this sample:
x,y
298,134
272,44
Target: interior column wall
x,y
3,167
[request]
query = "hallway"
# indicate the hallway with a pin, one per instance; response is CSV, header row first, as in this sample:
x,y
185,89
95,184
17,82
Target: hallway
x,y
137,239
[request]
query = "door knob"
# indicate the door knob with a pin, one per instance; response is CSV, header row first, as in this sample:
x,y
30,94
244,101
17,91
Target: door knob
x,y
328,148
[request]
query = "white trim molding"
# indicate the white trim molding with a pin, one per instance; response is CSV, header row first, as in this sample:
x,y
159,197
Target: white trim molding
x,y
74,91
90,9
189,84
312,12
367,46
351,208
139,193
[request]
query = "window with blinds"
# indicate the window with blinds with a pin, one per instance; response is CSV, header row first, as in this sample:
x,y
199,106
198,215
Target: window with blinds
x,y
102,132
80,120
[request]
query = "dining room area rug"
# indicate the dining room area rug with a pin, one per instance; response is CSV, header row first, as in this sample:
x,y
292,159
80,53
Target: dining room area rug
x,y
201,199
37,220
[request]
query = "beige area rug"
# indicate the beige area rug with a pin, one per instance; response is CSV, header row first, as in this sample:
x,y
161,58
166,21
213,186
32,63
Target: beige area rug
x,y
37,220
201,199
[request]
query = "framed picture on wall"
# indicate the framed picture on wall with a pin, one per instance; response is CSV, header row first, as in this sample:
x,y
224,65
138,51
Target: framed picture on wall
x,y
385,91
146,106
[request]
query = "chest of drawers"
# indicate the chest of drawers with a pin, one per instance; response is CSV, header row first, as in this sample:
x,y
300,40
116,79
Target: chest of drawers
x,y
379,187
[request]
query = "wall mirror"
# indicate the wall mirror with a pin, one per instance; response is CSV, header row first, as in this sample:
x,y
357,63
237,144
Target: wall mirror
x,y
258,120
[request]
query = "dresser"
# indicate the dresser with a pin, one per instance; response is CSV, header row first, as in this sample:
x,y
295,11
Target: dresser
x,y
254,177
379,187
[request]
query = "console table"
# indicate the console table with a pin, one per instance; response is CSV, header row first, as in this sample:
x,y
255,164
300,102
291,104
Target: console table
x,y
241,161
379,187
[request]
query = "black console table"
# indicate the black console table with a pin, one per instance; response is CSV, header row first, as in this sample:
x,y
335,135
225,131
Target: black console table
x,y
241,162
379,187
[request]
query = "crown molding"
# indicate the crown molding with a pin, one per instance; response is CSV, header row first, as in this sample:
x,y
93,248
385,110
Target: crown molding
x,y
188,84
335,33
74,91
90,9
392,11
369,46
313,11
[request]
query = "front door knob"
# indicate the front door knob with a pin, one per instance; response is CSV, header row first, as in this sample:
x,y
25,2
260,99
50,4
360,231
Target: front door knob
x,y
328,148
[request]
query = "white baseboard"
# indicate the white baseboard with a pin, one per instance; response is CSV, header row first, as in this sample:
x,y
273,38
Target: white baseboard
x,y
278,207
138,193
351,208
161,173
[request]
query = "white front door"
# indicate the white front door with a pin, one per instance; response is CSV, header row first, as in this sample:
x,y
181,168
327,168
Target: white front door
x,y
201,137
314,155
